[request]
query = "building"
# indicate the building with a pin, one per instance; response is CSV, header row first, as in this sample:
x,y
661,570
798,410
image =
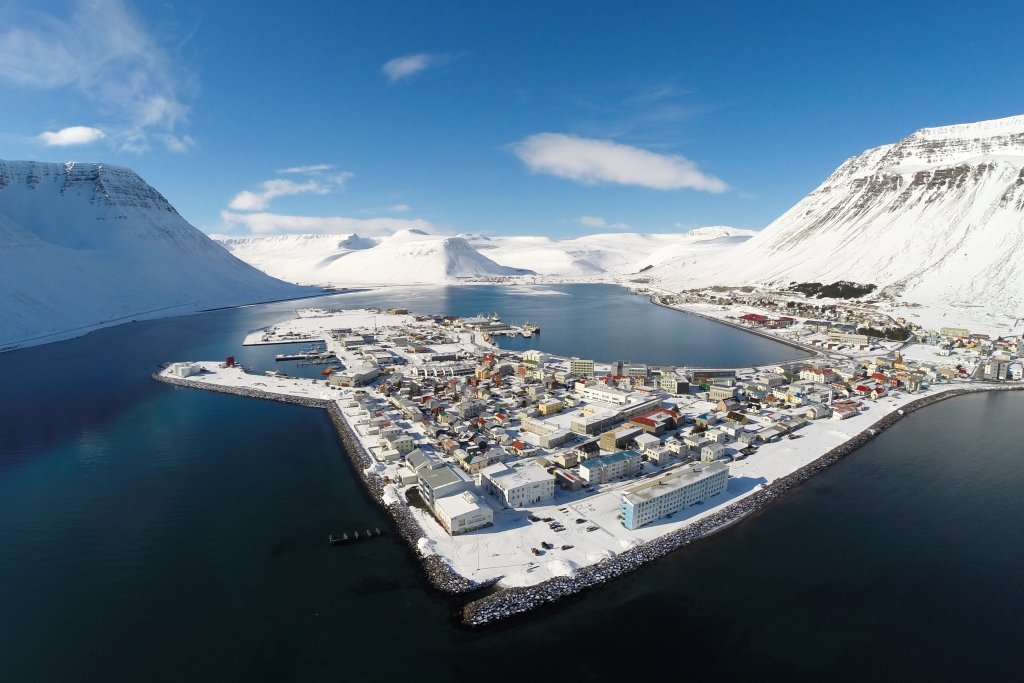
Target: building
x,y
657,422
438,481
400,441
536,426
604,469
671,492
185,369
712,451
581,367
354,377
674,384
463,512
594,423
718,393
647,442
709,376
518,486
550,406
604,394
556,438
534,357
619,438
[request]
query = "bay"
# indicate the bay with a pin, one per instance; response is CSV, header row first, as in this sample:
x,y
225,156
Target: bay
x,y
152,532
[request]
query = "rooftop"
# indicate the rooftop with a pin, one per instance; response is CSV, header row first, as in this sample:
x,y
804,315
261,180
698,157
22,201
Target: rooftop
x,y
671,481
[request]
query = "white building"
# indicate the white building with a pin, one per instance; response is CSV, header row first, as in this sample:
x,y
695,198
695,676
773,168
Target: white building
x,y
518,486
605,394
185,369
711,452
463,512
671,492
534,357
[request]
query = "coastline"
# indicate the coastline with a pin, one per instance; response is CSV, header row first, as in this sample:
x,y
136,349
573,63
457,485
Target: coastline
x,y
750,330
506,602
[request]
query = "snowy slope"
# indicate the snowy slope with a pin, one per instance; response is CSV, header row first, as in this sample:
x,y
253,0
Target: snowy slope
x,y
694,247
405,257
937,218
86,245
410,258
605,253
415,257
294,258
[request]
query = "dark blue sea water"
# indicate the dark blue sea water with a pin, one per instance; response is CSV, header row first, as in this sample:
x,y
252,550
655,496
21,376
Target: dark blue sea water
x,y
149,532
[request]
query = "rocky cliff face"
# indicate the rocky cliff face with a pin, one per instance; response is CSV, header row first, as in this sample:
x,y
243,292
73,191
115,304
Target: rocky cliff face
x,y
90,244
937,217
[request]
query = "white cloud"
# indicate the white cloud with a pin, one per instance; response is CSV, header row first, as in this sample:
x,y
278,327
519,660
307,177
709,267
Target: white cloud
x,y
72,135
306,170
101,51
407,66
282,187
592,161
601,223
275,223
399,208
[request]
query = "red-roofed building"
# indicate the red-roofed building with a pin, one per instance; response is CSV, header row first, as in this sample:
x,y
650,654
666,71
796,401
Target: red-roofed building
x,y
657,422
753,319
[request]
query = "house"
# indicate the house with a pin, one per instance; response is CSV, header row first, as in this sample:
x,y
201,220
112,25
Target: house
x,y
712,452
657,456
728,404
817,411
602,470
646,442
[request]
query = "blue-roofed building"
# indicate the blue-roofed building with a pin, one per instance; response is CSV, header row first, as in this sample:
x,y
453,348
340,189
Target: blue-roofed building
x,y
604,469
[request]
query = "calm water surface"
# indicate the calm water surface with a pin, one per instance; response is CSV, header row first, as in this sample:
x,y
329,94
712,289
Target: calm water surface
x,y
155,533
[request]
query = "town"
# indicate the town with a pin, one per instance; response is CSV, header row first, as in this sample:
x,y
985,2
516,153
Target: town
x,y
524,466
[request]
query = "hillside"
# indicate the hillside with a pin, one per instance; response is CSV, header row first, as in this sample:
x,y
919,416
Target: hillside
x,y
87,245
934,219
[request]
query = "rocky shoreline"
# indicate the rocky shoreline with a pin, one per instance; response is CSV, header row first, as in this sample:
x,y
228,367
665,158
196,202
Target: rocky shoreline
x,y
508,602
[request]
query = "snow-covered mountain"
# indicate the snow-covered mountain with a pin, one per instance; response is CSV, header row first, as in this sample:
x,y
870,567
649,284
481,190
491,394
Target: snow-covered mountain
x,y
414,257
295,258
406,257
86,245
936,218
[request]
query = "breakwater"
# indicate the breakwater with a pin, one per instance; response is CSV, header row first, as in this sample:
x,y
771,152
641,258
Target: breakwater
x,y
509,602
438,572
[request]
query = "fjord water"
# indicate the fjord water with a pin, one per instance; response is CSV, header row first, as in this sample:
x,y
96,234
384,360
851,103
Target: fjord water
x,y
149,532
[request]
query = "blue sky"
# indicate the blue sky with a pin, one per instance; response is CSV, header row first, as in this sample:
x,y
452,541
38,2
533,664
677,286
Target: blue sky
x,y
505,118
